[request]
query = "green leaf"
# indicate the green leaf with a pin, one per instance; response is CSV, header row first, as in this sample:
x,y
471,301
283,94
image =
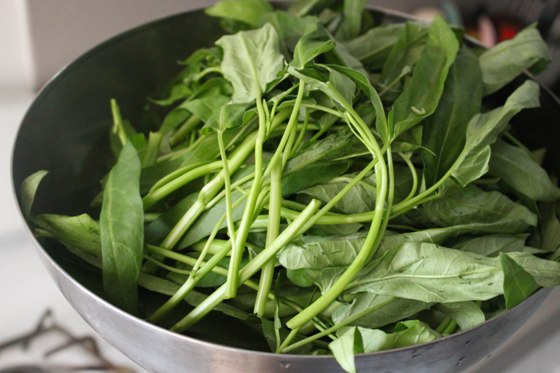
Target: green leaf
x,y
348,343
28,190
507,60
445,130
290,29
319,172
247,11
305,7
227,116
252,59
466,314
360,198
80,234
373,46
430,273
318,252
421,96
352,13
122,230
336,145
312,45
518,283
375,311
484,129
363,83
405,53
546,273
491,245
407,333
472,204
515,167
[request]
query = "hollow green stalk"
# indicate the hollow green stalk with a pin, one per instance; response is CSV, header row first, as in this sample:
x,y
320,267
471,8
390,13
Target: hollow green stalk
x,y
371,242
232,282
290,233
188,126
157,195
287,347
273,229
227,186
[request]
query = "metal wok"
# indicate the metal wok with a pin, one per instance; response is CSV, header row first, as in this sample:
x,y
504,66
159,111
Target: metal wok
x,y
65,131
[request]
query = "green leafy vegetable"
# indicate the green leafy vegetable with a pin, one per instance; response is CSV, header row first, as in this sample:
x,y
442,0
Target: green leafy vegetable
x,y
122,229
518,283
333,185
28,190
507,60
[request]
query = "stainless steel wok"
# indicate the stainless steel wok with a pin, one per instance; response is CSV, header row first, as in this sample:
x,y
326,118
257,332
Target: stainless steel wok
x,y
65,131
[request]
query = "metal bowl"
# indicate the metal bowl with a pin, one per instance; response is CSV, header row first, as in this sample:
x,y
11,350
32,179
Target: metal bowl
x,y
65,131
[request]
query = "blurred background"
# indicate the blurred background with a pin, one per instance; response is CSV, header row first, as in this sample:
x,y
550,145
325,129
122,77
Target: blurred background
x,y
39,37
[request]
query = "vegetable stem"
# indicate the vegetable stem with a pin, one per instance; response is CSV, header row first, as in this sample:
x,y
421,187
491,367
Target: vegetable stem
x,y
291,232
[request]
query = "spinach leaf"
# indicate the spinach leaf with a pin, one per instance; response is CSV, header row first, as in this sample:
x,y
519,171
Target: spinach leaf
x,y
252,59
467,314
246,11
374,311
484,129
290,29
312,45
361,198
444,132
490,245
429,273
473,204
374,46
28,190
518,283
546,273
406,333
515,167
317,252
421,96
348,343
351,26
507,60
122,230
80,234
405,53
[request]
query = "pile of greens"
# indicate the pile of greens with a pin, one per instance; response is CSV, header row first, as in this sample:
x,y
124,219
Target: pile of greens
x,y
331,181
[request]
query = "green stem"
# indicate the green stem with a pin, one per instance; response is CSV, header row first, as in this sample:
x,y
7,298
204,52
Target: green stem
x,y
189,125
191,282
227,186
118,125
372,242
290,233
157,195
274,205
208,192
248,216
347,321
412,169
325,109
152,149
302,132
